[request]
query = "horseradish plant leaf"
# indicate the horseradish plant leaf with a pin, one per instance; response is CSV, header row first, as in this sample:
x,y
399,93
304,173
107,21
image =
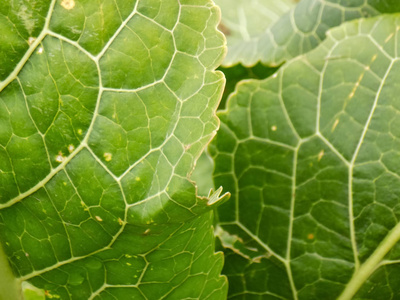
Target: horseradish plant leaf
x,y
104,109
274,31
311,157
244,23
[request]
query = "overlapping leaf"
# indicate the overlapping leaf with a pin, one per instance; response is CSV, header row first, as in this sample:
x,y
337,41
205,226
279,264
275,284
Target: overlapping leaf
x,y
244,22
311,156
274,31
104,108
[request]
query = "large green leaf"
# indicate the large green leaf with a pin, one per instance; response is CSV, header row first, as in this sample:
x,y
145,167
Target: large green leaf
x,y
311,156
104,108
265,31
244,22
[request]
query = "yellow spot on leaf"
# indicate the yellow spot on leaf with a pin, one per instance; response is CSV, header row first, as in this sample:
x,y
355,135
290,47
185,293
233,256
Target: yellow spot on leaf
x,y
31,40
356,86
99,219
335,124
68,4
137,178
274,128
107,156
374,57
310,236
146,232
48,295
389,37
320,155
120,222
79,131
259,258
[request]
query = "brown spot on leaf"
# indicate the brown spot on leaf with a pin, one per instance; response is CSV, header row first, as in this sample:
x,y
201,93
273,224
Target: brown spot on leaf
x,y
225,30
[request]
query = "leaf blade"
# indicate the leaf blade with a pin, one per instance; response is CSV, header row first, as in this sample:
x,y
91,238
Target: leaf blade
x,y
306,169
99,158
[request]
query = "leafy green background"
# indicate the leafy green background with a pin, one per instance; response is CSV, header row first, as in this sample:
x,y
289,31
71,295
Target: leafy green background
x,y
104,109
275,31
310,156
244,23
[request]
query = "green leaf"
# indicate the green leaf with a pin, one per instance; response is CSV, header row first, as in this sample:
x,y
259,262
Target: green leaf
x,y
20,22
202,174
244,23
311,157
237,73
290,33
103,114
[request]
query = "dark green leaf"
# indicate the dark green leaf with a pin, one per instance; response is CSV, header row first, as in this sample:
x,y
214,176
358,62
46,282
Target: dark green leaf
x,y
102,117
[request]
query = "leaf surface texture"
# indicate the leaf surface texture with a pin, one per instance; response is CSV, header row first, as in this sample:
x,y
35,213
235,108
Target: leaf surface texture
x,y
310,156
104,109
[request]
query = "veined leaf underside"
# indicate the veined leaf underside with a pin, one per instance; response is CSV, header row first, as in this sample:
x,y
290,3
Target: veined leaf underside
x,y
311,158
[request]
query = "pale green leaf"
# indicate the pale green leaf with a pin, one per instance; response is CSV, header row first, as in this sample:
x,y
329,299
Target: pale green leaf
x,y
244,22
104,109
202,174
311,157
254,35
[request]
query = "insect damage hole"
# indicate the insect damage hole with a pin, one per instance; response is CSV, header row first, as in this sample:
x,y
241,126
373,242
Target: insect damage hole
x,y
60,157
31,40
71,148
